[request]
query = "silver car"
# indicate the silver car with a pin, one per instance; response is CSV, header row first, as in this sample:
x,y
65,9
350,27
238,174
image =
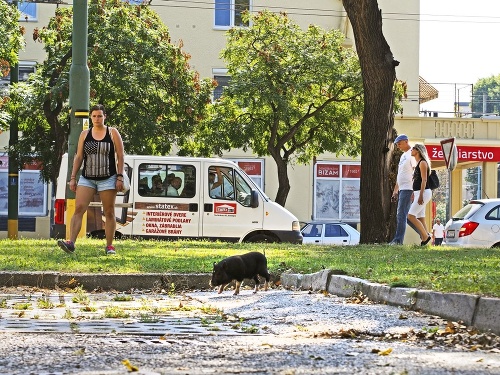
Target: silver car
x,y
475,225
329,233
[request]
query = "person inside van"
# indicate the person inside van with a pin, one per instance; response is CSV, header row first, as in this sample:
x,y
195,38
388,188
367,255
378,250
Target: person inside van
x,y
215,180
102,173
189,190
157,188
144,187
173,188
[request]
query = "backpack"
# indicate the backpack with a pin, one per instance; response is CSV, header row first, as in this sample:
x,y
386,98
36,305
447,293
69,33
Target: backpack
x,y
433,180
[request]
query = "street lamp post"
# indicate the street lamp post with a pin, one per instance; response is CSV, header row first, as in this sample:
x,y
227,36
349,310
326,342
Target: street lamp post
x,y
79,93
13,189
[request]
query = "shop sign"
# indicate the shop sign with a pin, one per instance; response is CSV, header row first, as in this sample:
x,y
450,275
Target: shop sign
x,y
467,153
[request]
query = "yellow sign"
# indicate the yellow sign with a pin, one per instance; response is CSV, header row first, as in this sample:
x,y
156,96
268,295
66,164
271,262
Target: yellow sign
x,y
85,124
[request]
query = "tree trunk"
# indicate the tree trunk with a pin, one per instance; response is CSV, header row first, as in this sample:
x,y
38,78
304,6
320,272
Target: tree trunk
x,y
378,72
283,181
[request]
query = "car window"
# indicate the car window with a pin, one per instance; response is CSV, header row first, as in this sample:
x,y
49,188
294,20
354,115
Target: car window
x,y
335,230
467,211
312,230
494,214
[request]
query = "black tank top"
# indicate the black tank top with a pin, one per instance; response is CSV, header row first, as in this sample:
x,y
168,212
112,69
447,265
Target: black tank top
x,y
98,157
417,178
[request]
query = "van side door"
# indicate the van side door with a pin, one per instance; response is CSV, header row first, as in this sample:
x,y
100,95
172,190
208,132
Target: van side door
x,y
166,199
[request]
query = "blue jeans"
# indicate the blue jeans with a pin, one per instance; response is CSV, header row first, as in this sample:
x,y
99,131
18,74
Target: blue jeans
x,y
404,203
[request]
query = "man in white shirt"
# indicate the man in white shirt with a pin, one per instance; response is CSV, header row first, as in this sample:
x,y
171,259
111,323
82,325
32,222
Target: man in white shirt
x,y
172,190
438,232
403,190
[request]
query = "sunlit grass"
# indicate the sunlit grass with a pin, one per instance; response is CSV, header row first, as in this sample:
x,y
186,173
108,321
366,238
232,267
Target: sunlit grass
x,y
437,268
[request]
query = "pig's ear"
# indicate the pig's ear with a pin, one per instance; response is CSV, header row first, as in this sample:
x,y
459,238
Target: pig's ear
x,y
224,266
215,264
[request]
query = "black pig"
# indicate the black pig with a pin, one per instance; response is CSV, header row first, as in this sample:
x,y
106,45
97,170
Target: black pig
x,y
239,267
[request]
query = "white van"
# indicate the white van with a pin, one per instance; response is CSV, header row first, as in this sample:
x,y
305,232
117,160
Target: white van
x,y
236,210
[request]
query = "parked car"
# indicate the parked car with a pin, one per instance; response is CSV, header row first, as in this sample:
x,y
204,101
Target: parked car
x,y
329,233
475,225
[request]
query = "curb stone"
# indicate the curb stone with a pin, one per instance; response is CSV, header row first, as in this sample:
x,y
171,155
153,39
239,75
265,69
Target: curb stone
x,y
447,305
480,312
120,282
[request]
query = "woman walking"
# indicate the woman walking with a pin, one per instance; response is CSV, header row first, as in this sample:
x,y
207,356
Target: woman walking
x,y
421,191
102,173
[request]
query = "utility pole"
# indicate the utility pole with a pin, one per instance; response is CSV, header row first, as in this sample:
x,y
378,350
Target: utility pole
x,y
13,189
79,93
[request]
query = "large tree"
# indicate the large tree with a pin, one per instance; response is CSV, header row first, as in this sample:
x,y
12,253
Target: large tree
x,y
293,94
12,36
150,93
378,68
11,41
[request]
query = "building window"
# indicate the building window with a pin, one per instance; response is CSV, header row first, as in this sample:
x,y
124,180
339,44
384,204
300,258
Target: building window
x,y
222,81
28,11
25,68
228,12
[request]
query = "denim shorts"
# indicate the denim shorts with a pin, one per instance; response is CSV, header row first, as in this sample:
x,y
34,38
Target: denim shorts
x,y
98,185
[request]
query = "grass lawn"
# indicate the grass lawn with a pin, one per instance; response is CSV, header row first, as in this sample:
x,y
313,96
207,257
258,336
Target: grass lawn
x,y
444,269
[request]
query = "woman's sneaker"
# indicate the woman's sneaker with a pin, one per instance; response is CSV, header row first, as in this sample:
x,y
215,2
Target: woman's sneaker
x,y
67,246
110,250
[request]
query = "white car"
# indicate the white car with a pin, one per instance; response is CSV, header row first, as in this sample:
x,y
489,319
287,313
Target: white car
x,y
475,225
329,233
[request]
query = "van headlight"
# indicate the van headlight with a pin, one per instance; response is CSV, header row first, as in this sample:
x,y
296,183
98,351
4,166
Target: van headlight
x,y
295,225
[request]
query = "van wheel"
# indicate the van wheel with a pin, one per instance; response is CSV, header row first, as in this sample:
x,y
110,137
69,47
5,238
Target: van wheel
x,y
262,238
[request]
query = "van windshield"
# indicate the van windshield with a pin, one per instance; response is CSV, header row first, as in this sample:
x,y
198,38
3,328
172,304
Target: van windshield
x,y
254,185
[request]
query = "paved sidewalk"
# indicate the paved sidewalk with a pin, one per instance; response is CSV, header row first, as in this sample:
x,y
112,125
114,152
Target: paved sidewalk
x,y
278,332
480,312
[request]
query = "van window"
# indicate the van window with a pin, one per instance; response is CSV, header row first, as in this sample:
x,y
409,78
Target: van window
x,y
243,190
167,180
220,183
225,183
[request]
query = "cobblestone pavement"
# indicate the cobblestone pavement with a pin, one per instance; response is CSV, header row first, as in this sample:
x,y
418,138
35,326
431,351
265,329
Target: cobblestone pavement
x,y
274,332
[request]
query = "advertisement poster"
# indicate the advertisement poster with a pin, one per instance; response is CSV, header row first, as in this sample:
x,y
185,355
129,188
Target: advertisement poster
x,y
327,199
350,200
32,194
336,191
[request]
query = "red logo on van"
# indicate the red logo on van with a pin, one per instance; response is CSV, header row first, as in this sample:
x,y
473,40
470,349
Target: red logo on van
x,y
225,208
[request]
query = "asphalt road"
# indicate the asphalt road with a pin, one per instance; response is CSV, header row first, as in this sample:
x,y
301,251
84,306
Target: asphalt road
x,y
273,332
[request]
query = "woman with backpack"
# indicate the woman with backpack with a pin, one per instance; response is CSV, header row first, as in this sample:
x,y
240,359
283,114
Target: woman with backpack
x,y
421,192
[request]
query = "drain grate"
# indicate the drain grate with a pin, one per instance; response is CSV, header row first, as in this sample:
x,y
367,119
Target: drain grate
x,y
139,315
186,326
